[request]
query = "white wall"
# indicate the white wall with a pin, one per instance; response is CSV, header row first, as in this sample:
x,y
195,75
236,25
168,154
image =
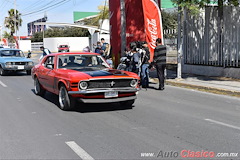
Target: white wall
x,y
75,43
24,45
97,37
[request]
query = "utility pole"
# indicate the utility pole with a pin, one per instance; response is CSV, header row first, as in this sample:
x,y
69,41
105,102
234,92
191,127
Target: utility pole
x,y
179,44
15,17
159,4
181,39
123,26
1,33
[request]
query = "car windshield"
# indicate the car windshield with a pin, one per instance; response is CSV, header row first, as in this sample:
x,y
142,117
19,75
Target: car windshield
x,y
63,46
84,62
11,53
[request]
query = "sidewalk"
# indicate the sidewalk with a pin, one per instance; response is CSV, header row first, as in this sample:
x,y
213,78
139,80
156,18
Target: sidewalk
x,y
218,85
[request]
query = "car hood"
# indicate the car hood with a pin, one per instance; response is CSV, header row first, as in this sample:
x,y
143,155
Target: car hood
x,y
105,74
14,59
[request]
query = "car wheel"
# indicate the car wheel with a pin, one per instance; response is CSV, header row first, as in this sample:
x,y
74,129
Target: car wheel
x,y
66,102
2,72
28,72
127,104
38,88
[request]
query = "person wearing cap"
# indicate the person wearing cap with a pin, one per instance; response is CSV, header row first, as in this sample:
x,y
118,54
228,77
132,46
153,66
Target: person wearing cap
x,y
45,52
144,64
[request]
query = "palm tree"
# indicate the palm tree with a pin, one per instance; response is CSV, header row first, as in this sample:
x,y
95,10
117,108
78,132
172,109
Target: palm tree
x,y
13,22
103,14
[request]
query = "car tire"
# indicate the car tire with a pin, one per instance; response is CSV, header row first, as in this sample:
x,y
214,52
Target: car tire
x,y
28,72
66,102
2,72
38,88
127,104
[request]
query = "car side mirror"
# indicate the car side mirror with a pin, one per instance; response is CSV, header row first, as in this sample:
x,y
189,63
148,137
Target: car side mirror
x,y
50,66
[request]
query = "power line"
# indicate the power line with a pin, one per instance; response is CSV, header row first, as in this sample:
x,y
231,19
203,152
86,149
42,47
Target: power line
x,y
36,6
44,9
4,10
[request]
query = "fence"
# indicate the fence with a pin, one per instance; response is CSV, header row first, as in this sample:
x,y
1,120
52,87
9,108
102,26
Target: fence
x,y
36,46
206,44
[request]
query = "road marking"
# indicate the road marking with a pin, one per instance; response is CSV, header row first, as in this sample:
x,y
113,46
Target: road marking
x,y
223,124
2,84
79,151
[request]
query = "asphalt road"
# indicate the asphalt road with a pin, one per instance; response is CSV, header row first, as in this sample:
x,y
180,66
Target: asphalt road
x,y
173,120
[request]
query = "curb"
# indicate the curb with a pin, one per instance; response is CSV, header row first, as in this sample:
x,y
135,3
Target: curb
x,y
205,89
201,88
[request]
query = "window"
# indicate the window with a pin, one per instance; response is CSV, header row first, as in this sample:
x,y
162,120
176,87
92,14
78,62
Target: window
x,y
11,53
81,61
49,62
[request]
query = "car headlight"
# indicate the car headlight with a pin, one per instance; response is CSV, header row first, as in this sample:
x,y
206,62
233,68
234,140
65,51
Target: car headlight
x,y
83,85
30,63
8,63
133,83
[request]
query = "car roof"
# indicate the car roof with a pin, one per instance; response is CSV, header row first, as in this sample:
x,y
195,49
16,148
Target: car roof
x,y
74,53
9,49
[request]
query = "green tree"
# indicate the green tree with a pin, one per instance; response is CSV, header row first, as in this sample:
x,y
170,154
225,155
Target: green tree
x,y
37,37
193,6
103,14
60,32
169,21
8,36
13,22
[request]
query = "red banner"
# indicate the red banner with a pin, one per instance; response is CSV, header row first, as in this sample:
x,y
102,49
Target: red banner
x,y
115,29
153,24
135,30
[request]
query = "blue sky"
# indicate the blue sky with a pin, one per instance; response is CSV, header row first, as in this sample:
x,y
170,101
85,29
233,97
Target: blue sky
x,y
57,13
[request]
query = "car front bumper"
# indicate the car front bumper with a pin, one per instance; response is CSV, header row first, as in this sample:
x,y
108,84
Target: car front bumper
x,y
106,100
17,68
104,90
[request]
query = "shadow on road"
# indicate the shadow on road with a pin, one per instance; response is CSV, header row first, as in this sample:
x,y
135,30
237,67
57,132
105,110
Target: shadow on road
x,y
11,74
86,108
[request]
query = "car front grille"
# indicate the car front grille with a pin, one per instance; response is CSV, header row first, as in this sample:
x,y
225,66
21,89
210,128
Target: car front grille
x,y
20,63
109,83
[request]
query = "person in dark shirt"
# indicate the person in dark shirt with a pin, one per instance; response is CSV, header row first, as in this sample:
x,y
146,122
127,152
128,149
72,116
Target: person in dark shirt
x,y
159,61
45,52
145,57
98,48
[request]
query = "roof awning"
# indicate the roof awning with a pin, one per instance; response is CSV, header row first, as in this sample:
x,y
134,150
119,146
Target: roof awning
x,y
73,25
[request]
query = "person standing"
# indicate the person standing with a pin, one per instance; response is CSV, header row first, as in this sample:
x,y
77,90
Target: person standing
x,y
159,60
103,44
135,60
144,71
45,52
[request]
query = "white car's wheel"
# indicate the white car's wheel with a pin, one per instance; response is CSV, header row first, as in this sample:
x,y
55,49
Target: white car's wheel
x,y
2,72
66,102
38,88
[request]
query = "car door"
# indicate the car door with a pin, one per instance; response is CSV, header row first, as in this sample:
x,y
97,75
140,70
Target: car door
x,y
48,73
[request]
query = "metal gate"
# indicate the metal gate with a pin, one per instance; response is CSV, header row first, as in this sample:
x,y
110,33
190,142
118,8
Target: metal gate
x,y
202,36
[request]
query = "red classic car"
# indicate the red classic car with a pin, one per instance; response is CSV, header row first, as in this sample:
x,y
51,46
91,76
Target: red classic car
x,y
84,77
